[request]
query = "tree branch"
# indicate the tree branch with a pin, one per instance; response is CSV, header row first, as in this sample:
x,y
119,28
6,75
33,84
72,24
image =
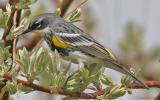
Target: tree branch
x,y
150,84
80,95
10,21
30,43
51,90
64,6
13,20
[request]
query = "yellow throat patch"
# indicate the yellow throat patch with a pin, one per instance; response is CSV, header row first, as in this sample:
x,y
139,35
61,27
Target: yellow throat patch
x,y
59,43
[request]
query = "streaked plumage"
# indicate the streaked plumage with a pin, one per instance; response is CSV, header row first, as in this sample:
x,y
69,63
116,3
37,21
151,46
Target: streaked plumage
x,y
74,44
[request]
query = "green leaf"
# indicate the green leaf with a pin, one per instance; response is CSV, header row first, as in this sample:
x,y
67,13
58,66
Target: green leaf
x,y
125,80
15,31
12,87
116,92
33,65
54,64
4,16
67,69
84,73
24,60
14,74
39,62
42,61
94,69
5,57
25,3
76,83
8,8
57,81
75,15
106,80
25,13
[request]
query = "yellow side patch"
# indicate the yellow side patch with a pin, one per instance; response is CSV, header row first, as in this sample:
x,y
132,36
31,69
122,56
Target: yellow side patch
x,y
111,54
59,43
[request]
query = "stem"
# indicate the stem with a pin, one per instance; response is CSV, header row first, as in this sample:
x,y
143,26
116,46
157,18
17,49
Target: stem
x,y
11,18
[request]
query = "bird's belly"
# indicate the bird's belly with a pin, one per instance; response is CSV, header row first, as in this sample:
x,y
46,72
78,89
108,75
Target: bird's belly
x,y
76,56
79,57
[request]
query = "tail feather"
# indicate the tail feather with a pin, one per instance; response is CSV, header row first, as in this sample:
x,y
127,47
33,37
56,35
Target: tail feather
x,y
119,67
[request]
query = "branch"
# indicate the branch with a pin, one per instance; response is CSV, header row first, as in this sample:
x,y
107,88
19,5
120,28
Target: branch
x,y
77,95
64,6
10,21
30,43
51,90
78,6
13,20
150,84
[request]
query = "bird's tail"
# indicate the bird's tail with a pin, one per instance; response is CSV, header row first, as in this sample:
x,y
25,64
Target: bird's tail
x,y
119,67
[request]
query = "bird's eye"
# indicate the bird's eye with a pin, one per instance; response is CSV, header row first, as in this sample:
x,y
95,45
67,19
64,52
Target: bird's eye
x,y
37,25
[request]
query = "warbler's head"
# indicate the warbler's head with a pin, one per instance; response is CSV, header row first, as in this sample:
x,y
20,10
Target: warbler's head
x,y
42,23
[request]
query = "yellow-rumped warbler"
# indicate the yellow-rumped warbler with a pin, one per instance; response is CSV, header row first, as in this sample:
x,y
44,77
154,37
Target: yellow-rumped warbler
x,y
74,44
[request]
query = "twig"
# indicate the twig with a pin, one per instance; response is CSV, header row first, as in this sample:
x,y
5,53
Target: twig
x,y
13,54
11,18
14,50
37,46
30,43
76,8
9,24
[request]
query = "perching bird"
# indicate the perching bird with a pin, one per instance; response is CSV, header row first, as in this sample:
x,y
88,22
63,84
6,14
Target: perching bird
x,y
74,44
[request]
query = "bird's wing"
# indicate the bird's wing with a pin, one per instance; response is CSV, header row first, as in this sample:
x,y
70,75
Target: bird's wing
x,y
71,35
75,37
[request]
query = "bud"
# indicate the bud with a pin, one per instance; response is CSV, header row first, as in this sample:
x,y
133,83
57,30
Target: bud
x,y
58,11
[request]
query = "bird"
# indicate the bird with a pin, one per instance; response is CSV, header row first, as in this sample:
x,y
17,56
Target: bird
x,y
75,45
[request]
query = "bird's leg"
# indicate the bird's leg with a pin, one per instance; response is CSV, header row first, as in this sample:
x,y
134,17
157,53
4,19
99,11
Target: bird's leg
x,y
81,65
65,84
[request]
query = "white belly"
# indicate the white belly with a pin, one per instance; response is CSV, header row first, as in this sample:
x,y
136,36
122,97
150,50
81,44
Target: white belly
x,y
79,57
76,56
